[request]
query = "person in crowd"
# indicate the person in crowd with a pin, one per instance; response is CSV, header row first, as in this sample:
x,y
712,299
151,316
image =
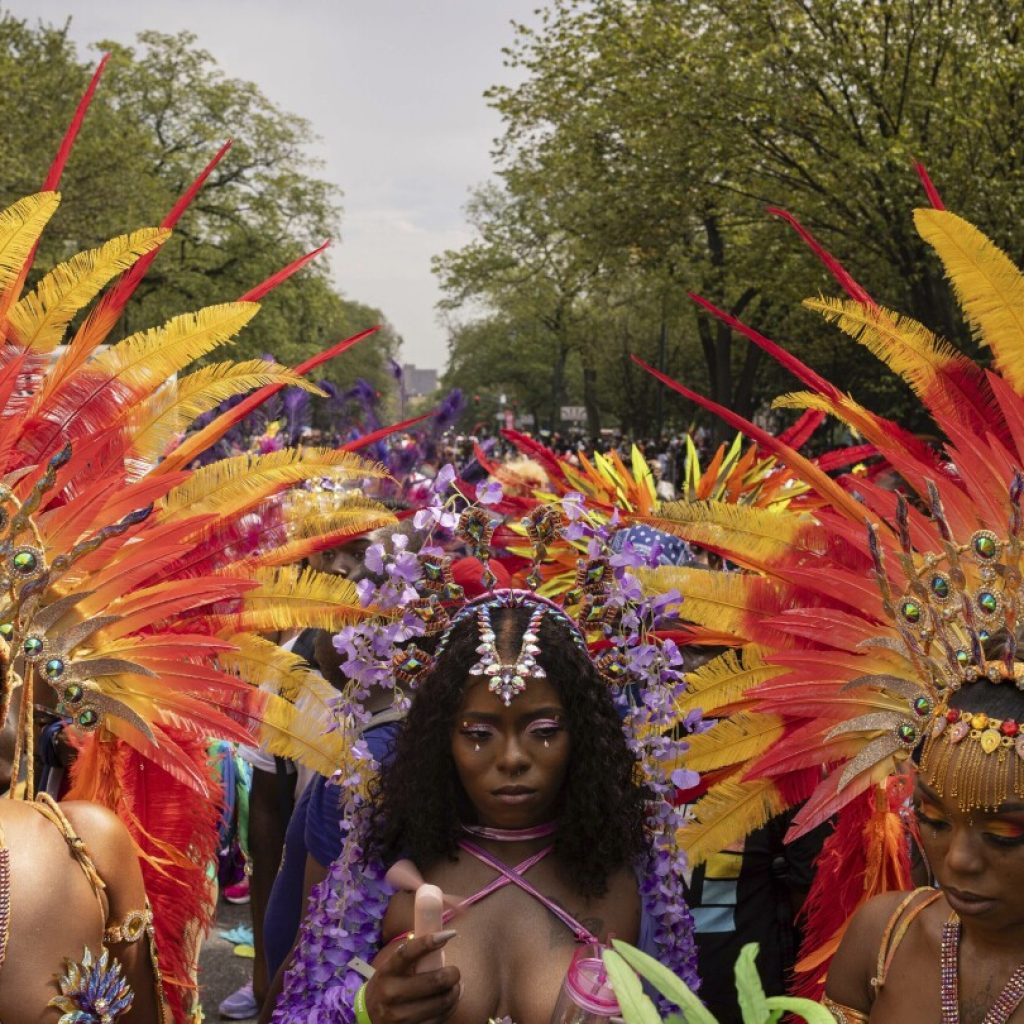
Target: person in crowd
x,y
955,952
278,789
521,803
90,928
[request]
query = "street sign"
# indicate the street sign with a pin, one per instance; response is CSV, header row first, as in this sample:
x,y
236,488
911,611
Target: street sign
x,y
574,413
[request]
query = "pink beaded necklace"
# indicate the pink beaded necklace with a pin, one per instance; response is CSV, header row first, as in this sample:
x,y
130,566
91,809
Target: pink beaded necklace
x,y
1001,1010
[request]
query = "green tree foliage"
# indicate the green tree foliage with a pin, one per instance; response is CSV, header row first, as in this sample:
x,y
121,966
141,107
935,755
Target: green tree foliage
x,y
647,136
162,111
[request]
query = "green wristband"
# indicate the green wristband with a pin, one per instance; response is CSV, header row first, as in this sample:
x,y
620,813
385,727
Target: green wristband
x,y
362,1014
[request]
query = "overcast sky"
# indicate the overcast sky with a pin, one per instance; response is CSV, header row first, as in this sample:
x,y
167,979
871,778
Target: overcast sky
x,y
394,89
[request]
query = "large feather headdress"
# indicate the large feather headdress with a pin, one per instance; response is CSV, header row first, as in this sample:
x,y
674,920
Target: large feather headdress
x,y
854,621
133,589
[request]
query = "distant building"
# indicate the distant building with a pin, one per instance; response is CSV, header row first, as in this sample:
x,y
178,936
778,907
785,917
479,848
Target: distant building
x,y
419,383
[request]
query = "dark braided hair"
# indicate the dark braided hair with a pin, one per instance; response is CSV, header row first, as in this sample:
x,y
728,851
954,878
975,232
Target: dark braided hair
x,y
419,803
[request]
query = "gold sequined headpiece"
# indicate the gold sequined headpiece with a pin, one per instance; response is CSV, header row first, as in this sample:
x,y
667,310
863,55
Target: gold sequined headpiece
x,y
957,604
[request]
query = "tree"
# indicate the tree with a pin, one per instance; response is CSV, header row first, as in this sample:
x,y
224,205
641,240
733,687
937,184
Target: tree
x,y
654,132
163,109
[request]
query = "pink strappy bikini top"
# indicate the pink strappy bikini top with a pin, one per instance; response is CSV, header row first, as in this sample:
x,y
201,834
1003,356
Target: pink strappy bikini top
x,y
513,876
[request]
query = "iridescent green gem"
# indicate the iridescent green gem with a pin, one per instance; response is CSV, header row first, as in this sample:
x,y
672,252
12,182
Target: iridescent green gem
x,y
962,657
922,706
88,718
54,668
33,645
906,733
985,546
983,635
988,602
911,611
73,693
25,561
614,669
940,587
6,630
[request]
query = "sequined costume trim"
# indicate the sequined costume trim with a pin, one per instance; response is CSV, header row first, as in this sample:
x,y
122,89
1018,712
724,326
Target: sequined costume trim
x,y
5,896
131,929
844,1014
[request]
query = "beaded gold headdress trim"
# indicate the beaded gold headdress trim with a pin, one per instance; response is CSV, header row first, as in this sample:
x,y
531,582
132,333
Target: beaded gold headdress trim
x,y
956,603
956,600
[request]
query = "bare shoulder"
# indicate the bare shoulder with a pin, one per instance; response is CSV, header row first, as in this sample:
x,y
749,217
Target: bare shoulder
x,y
623,888
855,962
96,825
107,841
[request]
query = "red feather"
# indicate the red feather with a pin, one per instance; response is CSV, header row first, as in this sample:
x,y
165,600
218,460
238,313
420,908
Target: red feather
x,y
545,456
481,456
102,319
213,432
834,267
929,186
864,855
53,175
257,293
800,370
843,457
800,432
807,471
175,830
379,435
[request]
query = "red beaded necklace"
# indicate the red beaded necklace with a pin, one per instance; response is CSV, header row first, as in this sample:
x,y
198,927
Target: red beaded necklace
x,y
1008,1000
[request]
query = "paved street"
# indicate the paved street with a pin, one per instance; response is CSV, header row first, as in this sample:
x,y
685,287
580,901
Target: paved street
x,y
221,971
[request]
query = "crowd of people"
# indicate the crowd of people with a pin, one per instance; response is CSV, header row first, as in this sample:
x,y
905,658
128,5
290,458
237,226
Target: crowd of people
x,y
503,728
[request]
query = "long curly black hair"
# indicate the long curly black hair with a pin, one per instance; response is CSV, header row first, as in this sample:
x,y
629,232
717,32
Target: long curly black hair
x,y
418,805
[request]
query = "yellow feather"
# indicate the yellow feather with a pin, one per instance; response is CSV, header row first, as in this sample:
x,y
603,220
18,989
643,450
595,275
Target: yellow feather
x,y
299,731
41,317
298,714
354,518
148,359
734,740
171,410
904,345
642,473
265,664
727,814
21,224
805,400
292,598
230,485
719,601
725,679
989,287
753,536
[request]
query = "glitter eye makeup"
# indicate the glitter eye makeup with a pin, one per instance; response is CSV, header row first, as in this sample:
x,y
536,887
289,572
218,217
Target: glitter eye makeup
x,y
928,814
476,731
545,728
1005,833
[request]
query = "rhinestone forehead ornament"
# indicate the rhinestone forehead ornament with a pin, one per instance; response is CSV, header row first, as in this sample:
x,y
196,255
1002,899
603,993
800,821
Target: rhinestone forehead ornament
x,y
507,679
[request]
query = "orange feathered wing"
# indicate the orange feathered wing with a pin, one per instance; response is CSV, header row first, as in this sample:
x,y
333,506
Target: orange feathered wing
x,y
132,585
821,665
